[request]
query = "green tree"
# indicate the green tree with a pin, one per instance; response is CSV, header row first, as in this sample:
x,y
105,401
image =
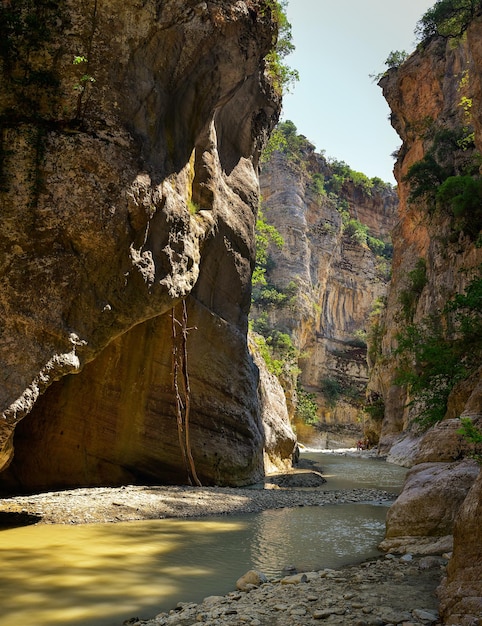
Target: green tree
x,y
394,59
283,75
447,18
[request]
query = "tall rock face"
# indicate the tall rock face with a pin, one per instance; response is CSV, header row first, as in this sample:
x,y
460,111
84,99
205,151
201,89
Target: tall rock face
x,y
433,313
331,274
436,250
130,134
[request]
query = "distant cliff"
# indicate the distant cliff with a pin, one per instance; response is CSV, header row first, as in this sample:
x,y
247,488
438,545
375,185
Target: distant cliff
x,y
332,269
130,136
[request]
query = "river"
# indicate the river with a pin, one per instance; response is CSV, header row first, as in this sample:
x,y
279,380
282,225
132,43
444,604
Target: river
x,y
102,574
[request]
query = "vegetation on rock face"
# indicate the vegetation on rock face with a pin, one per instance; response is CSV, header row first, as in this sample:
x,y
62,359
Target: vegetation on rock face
x,y
276,347
447,18
446,180
282,74
439,352
472,435
417,279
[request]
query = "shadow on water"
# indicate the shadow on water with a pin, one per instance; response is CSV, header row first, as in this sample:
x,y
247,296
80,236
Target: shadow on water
x,y
103,574
15,519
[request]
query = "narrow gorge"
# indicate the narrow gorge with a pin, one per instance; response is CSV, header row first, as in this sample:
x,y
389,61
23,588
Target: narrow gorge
x,y
323,283
189,290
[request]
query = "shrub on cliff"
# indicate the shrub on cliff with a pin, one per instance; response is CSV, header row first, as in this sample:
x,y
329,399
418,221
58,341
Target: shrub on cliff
x,y
282,74
441,351
447,18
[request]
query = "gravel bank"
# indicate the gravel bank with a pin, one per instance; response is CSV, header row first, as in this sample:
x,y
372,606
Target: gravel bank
x,y
388,591
111,504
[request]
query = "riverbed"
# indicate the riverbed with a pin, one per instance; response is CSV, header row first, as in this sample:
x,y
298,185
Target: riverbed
x,y
99,574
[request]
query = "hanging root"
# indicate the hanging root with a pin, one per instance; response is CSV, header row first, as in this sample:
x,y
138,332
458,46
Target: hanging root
x,y
182,390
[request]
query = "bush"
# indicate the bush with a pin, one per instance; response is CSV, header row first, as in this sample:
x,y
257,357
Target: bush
x,y
425,177
447,18
306,407
472,435
266,234
377,246
357,231
441,351
331,389
376,409
462,195
283,76
409,297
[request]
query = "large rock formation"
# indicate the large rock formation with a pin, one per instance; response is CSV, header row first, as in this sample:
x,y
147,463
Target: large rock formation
x,y
435,256
130,138
461,594
436,102
333,278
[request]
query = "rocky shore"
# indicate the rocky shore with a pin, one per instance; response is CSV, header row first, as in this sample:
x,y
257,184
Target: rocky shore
x,y
387,591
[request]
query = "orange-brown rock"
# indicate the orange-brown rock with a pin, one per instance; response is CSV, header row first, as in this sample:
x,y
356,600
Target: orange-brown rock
x,y
461,592
130,139
424,95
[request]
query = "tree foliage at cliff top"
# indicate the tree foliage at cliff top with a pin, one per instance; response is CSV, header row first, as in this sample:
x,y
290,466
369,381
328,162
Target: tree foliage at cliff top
x,y
282,74
447,18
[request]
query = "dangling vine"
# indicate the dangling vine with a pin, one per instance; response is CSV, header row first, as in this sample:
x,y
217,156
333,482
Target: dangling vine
x,y
182,390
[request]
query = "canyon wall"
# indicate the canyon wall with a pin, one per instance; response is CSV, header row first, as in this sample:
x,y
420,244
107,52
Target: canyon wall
x,y
130,136
436,255
332,275
432,321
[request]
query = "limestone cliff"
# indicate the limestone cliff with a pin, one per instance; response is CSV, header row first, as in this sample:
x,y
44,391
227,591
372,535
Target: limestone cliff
x,y
436,253
333,277
432,320
130,135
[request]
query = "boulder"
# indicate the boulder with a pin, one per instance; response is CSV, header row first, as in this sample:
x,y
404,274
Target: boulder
x,y
296,479
251,579
461,591
443,443
421,519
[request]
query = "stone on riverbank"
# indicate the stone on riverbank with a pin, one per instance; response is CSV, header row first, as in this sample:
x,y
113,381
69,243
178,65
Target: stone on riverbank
x,y
421,519
383,591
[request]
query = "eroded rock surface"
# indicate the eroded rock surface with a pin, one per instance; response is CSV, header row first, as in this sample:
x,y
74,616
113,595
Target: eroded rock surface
x,y
422,518
130,137
461,591
333,279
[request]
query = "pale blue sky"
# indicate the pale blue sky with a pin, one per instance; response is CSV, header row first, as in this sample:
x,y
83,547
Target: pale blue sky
x,y
335,104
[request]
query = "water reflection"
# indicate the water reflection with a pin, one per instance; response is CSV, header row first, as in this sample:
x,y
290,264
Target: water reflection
x,y
316,537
